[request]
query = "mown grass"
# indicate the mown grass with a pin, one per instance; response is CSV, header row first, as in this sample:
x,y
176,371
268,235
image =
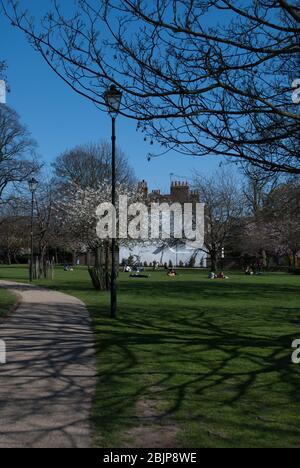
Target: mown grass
x,y
212,357
7,300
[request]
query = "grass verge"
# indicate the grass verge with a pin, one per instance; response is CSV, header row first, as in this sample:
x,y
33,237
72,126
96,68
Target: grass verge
x,y
7,301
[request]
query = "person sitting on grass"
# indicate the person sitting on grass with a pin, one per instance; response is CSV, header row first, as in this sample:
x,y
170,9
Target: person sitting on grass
x,y
249,271
212,275
172,273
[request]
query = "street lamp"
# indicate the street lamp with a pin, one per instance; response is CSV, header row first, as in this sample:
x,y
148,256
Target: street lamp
x,y
32,184
113,99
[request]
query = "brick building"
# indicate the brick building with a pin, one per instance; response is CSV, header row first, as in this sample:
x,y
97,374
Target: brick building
x,y
180,192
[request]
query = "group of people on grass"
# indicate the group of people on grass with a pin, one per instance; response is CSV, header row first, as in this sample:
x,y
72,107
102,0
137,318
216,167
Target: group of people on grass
x,y
250,271
172,273
220,275
136,271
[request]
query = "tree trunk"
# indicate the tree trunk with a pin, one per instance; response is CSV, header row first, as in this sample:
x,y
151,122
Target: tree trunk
x,y
99,273
97,254
8,255
265,259
214,261
74,255
42,263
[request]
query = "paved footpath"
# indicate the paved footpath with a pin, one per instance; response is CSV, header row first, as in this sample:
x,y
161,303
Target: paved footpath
x,y
48,382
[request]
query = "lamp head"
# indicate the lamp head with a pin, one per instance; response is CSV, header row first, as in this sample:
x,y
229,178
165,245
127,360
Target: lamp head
x,y
32,184
113,99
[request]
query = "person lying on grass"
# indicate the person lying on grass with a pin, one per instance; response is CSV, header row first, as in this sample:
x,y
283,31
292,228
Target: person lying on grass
x,y
221,275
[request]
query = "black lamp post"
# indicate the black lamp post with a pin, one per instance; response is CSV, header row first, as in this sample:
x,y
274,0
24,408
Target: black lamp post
x,y
32,184
113,99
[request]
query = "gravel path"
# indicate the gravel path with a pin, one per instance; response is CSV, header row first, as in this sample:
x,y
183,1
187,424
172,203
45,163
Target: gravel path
x,y
48,382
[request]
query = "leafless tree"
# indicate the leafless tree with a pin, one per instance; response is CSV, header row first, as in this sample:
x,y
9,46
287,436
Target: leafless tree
x,y
224,207
43,233
282,215
87,165
14,240
253,234
272,229
201,77
17,161
257,187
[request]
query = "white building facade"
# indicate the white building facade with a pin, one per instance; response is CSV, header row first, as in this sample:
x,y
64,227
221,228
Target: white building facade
x,y
154,254
175,253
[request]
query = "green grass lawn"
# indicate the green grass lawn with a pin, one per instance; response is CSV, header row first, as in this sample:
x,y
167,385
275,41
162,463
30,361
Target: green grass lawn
x,y
209,360
7,300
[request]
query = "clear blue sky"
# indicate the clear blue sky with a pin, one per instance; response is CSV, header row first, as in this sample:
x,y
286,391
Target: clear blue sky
x,y
58,118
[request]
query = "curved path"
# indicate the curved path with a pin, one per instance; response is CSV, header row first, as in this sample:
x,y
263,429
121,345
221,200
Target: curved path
x,y
47,384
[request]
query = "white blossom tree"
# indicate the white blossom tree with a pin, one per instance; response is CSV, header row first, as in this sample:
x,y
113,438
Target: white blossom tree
x,y
76,213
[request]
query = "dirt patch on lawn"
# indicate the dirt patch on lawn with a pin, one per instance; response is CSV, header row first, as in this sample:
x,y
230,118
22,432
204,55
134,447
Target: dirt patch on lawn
x,y
153,431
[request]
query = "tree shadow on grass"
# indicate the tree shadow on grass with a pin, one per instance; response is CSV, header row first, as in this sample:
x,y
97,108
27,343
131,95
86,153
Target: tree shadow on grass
x,y
201,366
209,364
210,289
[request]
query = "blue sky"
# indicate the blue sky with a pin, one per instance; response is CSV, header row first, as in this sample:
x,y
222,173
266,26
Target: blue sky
x,y
59,119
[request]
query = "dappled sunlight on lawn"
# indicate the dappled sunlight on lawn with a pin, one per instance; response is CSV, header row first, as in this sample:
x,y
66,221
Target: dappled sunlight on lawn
x,y
212,359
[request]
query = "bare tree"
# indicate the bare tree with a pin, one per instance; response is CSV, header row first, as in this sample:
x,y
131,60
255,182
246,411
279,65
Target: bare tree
x,y
257,187
87,165
253,237
271,229
44,231
197,85
17,162
224,207
282,215
13,230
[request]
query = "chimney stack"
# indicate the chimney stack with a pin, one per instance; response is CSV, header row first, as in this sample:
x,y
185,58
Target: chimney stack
x,y
143,188
180,192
